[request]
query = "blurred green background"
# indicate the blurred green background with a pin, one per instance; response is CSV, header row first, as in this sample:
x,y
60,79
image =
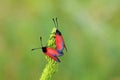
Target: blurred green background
x,y
91,29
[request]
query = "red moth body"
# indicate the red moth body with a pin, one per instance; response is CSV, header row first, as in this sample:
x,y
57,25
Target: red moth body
x,y
51,52
60,44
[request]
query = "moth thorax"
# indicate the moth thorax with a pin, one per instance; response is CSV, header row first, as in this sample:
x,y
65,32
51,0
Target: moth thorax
x,y
44,49
58,32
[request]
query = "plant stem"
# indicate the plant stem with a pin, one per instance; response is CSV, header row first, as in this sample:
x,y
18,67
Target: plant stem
x,y
52,65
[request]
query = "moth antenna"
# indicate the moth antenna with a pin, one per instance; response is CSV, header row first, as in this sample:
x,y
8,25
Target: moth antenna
x,y
41,41
39,47
54,22
35,49
57,22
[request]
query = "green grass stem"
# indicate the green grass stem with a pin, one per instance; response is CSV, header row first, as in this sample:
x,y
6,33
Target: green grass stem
x,y
52,65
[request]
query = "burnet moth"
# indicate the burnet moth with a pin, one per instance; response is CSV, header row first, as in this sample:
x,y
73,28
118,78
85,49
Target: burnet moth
x,y
60,44
51,52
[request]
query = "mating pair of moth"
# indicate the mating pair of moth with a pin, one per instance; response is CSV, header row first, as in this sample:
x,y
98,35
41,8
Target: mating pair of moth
x,y
54,53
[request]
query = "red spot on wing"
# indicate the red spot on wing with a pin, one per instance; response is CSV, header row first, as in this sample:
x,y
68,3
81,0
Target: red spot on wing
x,y
53,57
64,43
60,44
52,51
